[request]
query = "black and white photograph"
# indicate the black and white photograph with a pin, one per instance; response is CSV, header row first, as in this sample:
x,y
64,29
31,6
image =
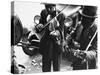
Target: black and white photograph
x,y
53,37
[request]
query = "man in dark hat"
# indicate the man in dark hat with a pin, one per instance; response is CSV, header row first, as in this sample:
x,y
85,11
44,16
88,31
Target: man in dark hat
x,y
86,35
50,46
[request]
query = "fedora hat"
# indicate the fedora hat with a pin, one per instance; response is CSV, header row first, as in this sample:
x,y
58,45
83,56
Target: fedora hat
x,y
89,11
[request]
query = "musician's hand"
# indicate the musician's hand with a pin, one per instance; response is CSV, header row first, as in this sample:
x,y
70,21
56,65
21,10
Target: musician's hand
x,y
39,26
55,33
80,54
76,44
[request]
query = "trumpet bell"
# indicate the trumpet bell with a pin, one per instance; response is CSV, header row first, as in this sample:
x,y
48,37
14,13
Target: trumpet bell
x,y
68,22
36,19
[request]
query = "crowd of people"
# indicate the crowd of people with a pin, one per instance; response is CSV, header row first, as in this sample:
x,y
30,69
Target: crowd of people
x,y
78,40
82,45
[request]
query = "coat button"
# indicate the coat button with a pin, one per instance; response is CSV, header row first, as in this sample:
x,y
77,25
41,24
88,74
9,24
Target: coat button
x,y
89,37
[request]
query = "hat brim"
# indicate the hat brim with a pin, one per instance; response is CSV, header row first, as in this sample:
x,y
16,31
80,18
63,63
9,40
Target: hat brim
x,y
80,11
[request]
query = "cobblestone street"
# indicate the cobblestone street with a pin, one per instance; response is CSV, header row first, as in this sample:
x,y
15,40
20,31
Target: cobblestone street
x,y
34,65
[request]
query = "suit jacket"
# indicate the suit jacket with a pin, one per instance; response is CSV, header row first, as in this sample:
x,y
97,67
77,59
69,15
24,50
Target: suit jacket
x,y
84,36
46,38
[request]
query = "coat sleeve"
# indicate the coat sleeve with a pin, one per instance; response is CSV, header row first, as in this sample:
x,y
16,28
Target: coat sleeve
x,y
91,55
42,20
43,15
92,52
61,19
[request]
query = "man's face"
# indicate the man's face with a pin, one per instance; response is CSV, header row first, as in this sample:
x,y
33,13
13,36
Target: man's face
x,y
50,9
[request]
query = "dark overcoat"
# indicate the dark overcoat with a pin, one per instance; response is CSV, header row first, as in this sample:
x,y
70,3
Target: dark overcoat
x,y
84,36
45,40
